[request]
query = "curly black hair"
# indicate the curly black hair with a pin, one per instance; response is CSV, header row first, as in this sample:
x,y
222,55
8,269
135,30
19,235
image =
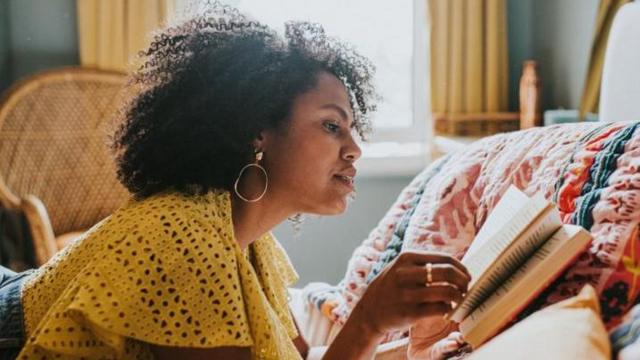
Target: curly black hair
x,y
208,87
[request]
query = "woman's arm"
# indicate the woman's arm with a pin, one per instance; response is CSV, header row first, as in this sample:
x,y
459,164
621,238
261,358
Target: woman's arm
x,y
397,298
393,301
356,340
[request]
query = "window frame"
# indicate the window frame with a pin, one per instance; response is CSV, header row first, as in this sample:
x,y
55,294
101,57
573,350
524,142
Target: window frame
x,y
412,144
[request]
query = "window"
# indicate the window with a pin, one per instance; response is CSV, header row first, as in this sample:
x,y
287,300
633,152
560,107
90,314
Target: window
x,y
394,35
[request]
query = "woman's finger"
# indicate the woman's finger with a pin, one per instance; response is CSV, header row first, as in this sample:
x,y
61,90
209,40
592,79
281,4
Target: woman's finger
x,y
421,258
417,276
435,294
447,273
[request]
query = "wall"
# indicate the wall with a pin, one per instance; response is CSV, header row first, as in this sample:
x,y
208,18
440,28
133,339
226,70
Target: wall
x,y
520,34
558,34
4,45
38,35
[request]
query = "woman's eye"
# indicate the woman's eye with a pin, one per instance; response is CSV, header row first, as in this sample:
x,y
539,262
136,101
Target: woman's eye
x,y
331,127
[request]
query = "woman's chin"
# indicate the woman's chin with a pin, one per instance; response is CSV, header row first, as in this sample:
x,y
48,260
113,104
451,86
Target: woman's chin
x,y
333,204
333,208
339,207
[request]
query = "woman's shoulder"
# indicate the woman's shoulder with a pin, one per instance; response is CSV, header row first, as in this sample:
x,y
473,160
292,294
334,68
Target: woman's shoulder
x,y
166,274
213,205
156,221
161,217
173,226
168,230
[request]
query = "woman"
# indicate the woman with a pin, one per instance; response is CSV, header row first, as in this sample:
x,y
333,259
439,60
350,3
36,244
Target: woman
x,y
233,130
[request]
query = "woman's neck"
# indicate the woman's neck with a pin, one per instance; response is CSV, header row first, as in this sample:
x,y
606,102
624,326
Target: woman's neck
x,y
252,220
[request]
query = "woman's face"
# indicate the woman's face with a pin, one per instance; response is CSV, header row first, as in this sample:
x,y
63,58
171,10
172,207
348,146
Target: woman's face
x,y
311,164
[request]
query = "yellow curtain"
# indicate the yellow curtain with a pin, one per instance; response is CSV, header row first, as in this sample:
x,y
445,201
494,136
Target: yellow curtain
x,y
469,59
112,32
591,91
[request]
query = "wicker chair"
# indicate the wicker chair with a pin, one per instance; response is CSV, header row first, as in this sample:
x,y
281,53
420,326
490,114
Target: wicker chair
x,y
54,162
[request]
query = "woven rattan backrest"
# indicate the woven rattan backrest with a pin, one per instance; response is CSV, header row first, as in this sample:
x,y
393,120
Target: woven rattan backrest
x,y
53,144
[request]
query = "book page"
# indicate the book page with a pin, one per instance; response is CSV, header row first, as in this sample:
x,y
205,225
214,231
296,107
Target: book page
x,y
493,261
478,262
536,259
512,201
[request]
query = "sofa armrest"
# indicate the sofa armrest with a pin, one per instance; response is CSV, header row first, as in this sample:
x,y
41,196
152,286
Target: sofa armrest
x,y
316,329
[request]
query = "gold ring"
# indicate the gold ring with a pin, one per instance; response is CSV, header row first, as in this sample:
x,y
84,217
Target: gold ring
x,y
429,267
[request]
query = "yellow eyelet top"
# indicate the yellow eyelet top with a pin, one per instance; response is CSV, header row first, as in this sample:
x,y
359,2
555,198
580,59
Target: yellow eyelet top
x,y
165,270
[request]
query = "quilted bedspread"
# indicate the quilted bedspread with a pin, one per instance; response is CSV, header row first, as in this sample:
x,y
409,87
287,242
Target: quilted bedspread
x,y
591,170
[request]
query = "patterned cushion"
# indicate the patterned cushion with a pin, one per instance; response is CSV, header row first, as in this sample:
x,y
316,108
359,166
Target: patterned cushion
x,y
570,329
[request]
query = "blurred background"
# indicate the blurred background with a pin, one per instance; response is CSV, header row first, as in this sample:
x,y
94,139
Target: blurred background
x,y
450,72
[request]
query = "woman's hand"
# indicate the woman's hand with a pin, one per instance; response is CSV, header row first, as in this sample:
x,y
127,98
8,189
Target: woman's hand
x,y
399,295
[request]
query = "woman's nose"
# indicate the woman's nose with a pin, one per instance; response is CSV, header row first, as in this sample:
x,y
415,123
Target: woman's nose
x,y
351,151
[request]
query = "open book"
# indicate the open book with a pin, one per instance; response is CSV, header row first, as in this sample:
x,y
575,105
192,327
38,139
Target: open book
x,y
522,247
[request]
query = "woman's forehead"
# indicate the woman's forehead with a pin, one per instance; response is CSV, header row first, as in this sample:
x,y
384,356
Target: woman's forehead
x,y
327,90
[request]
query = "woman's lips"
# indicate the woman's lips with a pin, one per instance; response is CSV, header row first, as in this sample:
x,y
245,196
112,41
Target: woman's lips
x,y
346,181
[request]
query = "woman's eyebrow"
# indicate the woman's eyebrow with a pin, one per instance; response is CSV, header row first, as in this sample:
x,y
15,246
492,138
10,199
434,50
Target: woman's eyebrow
x,y
339,109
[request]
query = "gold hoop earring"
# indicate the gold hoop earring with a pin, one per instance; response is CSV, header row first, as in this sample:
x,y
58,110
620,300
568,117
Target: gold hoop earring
x,y
266,179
